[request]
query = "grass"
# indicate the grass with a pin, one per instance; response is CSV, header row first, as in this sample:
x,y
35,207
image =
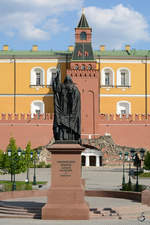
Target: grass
x,y
144,175
132,187
20,185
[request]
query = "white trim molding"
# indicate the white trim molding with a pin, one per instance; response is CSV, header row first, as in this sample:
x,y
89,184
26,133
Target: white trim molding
x,y
50,71
127,81
112,75
33,75
125,106
123,95
37,105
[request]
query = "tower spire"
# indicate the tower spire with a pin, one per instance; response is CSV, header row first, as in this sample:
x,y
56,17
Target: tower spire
x,y
83,21
83,11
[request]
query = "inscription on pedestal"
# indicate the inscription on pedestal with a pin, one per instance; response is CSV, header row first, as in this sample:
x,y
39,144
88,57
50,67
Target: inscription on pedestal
x,y
65,167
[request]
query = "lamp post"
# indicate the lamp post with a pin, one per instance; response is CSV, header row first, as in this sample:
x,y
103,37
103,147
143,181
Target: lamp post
x,y
9,155
13,167
123,157
129,182
137,163
27,158
142,152
34,176
131,157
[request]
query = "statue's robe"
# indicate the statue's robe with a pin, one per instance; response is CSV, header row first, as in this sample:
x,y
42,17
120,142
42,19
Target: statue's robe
x,y
67,108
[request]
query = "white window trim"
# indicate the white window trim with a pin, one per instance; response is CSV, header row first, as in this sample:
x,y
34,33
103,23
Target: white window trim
x,y
119,77
103,76
48,70
31,107
117,106
32,84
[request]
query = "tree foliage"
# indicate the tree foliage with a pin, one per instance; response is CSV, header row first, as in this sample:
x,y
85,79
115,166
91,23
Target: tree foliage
x,y
147,161
14,163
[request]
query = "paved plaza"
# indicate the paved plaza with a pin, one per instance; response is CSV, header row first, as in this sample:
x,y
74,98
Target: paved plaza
x,y
96,179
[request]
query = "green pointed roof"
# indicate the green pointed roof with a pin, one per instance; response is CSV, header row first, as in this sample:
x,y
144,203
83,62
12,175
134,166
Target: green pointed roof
x,y
83,22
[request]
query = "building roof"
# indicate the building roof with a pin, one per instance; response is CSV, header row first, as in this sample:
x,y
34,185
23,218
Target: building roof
x,y
119,53
55,54
33,54
83,22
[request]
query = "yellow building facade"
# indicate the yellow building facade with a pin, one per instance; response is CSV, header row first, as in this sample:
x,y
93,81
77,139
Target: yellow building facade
x,y
26,78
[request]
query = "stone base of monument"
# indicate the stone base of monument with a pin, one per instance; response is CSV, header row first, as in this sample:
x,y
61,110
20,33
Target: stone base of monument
x,y
66,195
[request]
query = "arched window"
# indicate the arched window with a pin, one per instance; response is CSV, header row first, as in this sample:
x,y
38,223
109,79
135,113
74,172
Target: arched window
x,y
51,72
123,108
123,77
37,107
83,67
83,35
89,67
37,77
107,78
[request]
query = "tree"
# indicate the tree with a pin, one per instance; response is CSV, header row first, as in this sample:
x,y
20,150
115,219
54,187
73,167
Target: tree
x,y
13,164
1,161
147,161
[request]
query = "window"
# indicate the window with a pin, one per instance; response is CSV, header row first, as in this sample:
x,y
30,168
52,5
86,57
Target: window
x,y
51,73
37,77
123,80
76,67
83,67
37,107
123,108
89,67
83,35
107,78
123,77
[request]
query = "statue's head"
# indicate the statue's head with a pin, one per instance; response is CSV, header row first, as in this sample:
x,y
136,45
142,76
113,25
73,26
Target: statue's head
x,y
68,80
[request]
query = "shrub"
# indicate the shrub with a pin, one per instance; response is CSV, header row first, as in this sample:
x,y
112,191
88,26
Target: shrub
x,y
42,164
147,161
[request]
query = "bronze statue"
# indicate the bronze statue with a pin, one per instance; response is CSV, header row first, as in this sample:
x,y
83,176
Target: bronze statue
x,y
67,107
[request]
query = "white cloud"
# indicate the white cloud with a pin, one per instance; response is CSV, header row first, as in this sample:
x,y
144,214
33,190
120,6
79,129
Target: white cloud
x,y
34,19
117,26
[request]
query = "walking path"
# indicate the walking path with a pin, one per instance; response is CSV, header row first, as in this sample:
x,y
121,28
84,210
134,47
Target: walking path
x,y
112,211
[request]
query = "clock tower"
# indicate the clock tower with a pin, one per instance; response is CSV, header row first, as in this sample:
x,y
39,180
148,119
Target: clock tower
x,y
84,73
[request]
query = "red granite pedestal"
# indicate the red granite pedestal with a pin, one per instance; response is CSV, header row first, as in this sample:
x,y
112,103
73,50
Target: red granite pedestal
x,y
66,195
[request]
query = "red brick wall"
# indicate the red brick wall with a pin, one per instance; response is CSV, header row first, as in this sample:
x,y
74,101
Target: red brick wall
x,y
131,132
24,129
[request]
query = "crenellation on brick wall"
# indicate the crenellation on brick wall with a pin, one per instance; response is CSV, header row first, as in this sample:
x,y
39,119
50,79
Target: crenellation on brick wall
x,y
131,131
124,118
136,117
16,116
23,117
3,116
111,116
28,116
10,116
117,117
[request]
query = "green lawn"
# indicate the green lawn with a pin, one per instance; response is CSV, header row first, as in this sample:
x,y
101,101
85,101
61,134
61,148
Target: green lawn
x,y
20,185
144,175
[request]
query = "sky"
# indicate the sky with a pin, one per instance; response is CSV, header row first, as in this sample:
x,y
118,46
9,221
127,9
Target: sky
x,y
50,23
